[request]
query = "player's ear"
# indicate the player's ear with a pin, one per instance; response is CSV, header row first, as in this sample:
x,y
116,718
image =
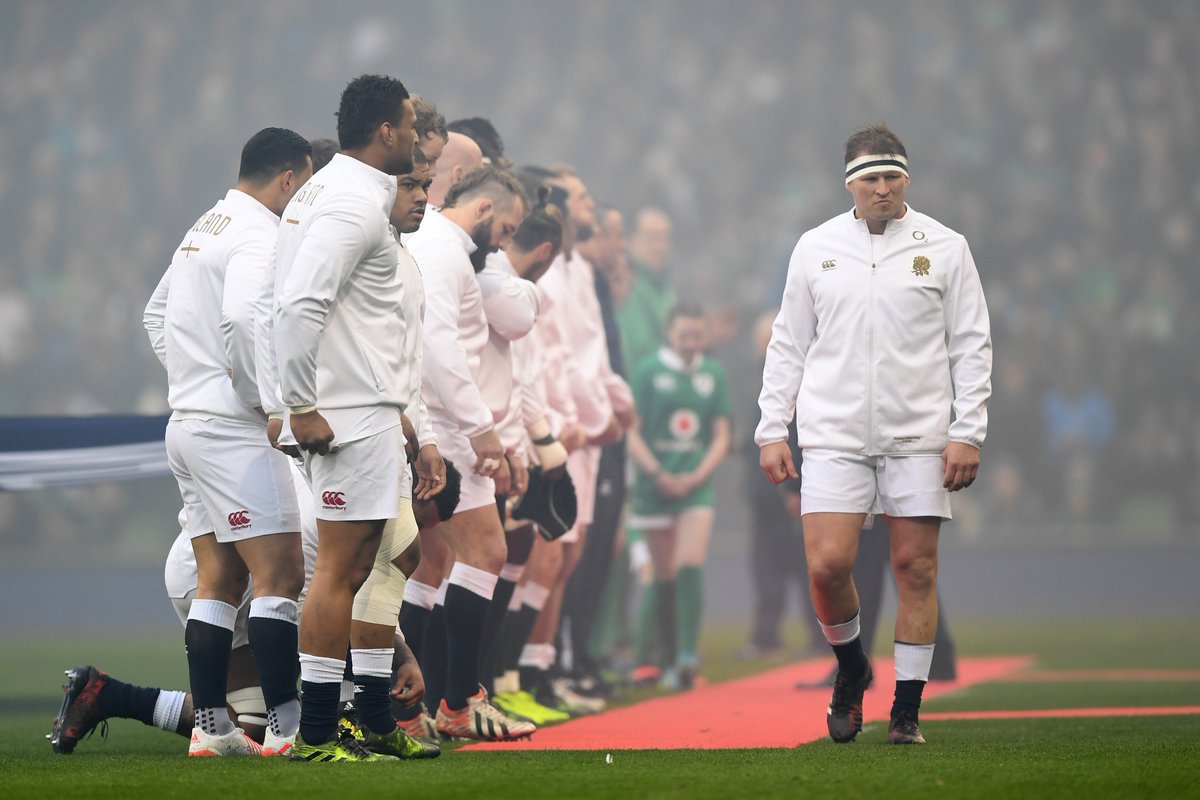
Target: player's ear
x,y
483,208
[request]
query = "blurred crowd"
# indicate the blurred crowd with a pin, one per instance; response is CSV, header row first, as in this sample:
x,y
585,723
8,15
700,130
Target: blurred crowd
x,y
1057,135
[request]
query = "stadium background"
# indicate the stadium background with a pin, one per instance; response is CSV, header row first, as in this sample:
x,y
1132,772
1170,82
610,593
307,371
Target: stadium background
x,y
1060,137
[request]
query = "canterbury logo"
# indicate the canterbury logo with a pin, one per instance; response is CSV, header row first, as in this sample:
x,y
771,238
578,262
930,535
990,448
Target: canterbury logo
x,y
333,499
239,519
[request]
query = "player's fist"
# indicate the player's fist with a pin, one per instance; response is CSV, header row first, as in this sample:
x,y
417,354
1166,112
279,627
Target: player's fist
x,y
312,432
775,460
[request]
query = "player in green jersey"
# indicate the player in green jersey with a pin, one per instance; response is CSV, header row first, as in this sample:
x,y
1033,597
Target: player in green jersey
x,y
683,433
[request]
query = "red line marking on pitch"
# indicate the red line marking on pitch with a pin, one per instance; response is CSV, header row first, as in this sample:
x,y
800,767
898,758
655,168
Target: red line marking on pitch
x,y
1046,713
1131,675
764,710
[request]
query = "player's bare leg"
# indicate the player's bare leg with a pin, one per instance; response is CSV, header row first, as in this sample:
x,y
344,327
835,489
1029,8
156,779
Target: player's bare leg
x,y
345,554
831,546
276,562
693,533
914,542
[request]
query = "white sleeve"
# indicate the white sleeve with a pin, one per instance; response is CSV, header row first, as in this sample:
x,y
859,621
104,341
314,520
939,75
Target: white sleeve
x,y
265,364
791,335
246,267
619,393
969,344
446,369
558,370
337,239
510,303
154,318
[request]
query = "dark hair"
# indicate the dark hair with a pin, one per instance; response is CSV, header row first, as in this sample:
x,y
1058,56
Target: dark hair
x,y
323,151
485,135
419,157
544,223
272,151
873,139
429,119
688,310
446,500
534,179
368,101
497,184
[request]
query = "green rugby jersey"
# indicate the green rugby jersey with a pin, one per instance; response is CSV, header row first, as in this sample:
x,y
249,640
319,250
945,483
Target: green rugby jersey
x,y
677,407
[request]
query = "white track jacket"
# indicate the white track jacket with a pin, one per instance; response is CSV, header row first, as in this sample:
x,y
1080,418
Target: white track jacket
x,y
200,318
339,327
456,328
878,339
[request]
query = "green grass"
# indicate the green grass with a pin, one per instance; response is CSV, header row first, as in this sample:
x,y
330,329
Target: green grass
x,y
1096,757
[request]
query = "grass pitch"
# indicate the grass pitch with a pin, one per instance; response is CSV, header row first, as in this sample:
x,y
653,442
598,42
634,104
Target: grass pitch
x,y
1151,756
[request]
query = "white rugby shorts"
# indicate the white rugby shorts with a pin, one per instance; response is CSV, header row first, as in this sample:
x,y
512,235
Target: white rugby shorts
x,y
233,483
361,480
899,486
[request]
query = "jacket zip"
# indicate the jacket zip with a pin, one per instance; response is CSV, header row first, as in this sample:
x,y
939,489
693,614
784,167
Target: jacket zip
x,y
871,350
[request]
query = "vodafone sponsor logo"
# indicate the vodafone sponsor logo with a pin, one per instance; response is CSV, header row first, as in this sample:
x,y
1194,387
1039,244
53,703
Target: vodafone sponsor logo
x,y
334,501
239,520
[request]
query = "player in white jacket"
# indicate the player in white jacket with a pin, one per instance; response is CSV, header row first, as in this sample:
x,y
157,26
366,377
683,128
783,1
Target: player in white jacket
x,y
481,213
338,343
240,511
882,335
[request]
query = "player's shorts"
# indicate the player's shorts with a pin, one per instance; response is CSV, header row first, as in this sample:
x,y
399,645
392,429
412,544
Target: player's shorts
x,y
181,578
899,486
649,511
233,483
477,490
361,481
584,466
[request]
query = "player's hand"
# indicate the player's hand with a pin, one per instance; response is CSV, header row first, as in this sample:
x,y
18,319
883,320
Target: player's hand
x,y
274,429
489,452
961,463
520,476
503,477
431,472
312,432
670,486
572,438
612,433
775,460
409,687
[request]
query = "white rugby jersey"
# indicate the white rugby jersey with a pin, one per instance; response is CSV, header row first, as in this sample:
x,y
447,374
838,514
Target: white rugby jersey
x,y
456,328
200,319
339,329
878,340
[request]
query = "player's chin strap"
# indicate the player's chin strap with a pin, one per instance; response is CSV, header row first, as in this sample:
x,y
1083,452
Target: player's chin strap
x,y
876,162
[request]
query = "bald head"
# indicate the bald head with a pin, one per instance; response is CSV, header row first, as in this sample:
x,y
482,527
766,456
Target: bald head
x,y
650,242
460,156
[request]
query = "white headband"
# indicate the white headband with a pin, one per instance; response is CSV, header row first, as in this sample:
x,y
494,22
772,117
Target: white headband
x,y
865,165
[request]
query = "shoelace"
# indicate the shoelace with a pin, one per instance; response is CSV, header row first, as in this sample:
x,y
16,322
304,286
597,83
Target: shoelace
x,y
843,688
906,722
352,745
